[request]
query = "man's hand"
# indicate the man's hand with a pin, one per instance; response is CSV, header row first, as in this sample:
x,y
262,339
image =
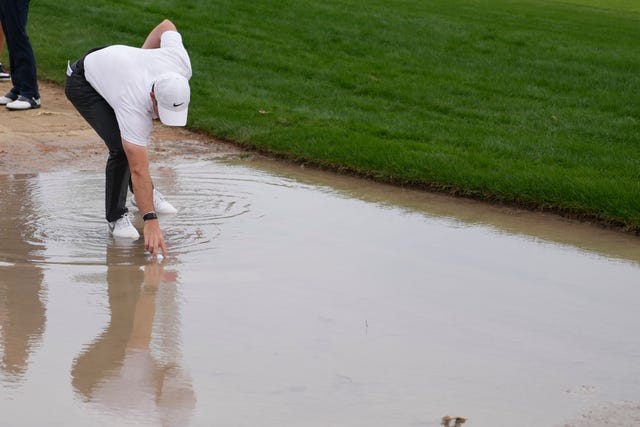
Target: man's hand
x,y
153,239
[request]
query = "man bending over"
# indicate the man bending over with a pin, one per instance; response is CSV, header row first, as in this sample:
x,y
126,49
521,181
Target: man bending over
x,y
119,90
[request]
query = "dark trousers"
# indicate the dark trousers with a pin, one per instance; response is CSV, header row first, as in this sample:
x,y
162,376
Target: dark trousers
x,y
99,114
22,61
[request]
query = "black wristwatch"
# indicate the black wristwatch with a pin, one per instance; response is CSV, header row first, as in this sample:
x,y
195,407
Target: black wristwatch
x,y
149,215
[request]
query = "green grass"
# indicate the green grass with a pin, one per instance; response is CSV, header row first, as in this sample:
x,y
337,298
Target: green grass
x,y
535,103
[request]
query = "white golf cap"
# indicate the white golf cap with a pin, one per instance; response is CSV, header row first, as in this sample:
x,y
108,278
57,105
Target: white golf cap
x,y
173,94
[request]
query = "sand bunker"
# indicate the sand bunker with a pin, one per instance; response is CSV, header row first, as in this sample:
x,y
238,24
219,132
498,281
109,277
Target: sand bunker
x,y
55,137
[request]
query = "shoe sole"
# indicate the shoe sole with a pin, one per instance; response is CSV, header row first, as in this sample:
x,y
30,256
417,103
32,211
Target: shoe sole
x,y
125,237
120,236
32,107
166,211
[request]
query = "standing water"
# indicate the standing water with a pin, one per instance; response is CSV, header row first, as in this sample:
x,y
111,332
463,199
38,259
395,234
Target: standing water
x,y
291,297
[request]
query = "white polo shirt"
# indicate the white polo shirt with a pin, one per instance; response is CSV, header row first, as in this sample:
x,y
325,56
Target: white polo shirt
x,y
124,75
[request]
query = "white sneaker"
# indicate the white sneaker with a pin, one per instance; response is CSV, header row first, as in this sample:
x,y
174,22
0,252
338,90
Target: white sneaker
x,y
9,97
123,228
4,74
160,205
24,103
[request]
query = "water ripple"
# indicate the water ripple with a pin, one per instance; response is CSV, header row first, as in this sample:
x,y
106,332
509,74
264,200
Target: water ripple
x,y
61,218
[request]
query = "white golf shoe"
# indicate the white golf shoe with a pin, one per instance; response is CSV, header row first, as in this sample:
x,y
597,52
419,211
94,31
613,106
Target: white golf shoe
x,y
123,228
24,103
160,204
9,97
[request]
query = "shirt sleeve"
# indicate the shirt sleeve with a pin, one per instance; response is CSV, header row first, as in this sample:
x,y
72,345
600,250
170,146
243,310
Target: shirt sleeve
x,y
135,127
171,39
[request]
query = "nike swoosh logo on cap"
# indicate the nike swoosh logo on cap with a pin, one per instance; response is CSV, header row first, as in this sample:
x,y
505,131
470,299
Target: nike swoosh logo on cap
x,y
177,105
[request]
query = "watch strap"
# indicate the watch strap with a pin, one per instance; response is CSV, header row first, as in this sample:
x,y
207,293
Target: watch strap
x,y
149,215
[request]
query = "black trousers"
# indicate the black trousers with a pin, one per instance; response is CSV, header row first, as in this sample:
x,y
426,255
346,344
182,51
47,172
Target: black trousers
x,y
22,61
99,114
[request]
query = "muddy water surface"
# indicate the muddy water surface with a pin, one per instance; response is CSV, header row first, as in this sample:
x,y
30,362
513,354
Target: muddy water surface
x,y
295,298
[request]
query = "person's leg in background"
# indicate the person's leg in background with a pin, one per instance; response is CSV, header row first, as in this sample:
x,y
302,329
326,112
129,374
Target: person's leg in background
x,y
24,94
4,74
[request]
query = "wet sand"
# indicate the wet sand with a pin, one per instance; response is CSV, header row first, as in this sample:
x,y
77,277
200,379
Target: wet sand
x,y
56,138
296,297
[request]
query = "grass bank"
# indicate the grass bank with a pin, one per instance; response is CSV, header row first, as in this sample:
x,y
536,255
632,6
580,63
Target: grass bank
x,y
531,102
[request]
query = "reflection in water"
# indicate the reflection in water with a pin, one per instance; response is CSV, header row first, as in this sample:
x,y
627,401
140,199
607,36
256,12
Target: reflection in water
x,y
338,302
121,371
22,312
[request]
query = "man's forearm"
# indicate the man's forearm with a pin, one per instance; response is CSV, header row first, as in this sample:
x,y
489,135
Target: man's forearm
x,y
140,177
143,189
153,39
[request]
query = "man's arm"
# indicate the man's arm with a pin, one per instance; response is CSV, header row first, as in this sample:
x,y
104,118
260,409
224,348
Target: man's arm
x,y
143,189
153,39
